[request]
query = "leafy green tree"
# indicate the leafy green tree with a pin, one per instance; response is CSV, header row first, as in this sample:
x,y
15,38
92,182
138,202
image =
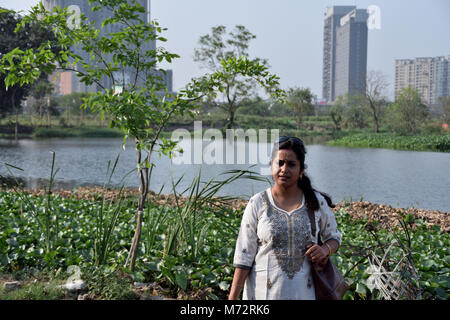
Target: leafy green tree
x,y
408,112
41,91
337,112
143,107
256,106
236,90
445,104
300,102
30,36
356,113
74,102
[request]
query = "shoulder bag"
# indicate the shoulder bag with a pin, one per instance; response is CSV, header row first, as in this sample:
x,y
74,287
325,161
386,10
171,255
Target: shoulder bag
x,y
328,282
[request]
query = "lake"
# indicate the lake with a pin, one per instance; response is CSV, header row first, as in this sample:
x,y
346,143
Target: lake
x,y
397,178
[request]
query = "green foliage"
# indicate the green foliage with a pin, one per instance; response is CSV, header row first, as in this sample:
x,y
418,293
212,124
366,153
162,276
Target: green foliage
x,y
108,283
392,141
445,104
408,113
429,249
235,75
85,132
33,291
356,114
31,36
299,100
337,112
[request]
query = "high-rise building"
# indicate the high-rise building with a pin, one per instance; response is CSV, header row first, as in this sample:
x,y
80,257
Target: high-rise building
x,y
67,84
344,51
429,75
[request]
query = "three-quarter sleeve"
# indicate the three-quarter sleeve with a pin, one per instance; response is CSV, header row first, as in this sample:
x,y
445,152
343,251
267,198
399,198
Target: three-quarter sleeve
x,y
247,241
328,226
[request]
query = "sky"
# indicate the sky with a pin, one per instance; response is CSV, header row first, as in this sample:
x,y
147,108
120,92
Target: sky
x,y
289,33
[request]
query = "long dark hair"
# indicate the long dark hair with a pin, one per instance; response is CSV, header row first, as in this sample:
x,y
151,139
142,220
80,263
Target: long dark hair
x,y
304,182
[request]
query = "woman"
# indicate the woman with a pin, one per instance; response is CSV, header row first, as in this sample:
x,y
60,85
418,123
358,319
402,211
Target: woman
x,y
275,246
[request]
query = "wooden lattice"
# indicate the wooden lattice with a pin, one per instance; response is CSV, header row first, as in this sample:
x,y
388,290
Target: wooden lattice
x,y
397,284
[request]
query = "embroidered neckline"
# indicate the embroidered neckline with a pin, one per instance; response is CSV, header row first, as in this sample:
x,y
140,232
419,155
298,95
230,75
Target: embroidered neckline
x,y
272,202
290,235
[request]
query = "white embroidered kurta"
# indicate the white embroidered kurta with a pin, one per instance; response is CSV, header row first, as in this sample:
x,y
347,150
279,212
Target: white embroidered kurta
x,y
272,244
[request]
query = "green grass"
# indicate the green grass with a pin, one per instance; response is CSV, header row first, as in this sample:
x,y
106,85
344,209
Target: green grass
x,y
34,291
78,132
439,143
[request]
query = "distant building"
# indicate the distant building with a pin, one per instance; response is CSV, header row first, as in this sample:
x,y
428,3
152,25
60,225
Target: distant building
x,y
429,75
345,40
67,82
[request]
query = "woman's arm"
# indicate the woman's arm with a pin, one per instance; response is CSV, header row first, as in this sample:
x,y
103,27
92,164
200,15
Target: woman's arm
x,y
238,283
330,247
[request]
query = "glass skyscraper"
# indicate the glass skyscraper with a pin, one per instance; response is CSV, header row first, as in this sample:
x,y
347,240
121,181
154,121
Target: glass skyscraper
x,y
344,51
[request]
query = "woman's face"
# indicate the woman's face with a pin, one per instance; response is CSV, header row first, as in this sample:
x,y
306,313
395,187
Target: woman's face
x,y
286,168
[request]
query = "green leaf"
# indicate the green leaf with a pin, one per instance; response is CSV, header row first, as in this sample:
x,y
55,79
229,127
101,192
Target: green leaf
x,y
361,289
181,279
223,285
4,259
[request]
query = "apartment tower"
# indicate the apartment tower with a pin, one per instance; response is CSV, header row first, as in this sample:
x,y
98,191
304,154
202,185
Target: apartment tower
x,y
429,75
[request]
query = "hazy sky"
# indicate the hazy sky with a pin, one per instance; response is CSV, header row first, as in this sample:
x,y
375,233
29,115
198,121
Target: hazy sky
x,y
289,33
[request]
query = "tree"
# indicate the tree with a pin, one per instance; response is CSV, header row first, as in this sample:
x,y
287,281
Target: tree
x,y
408,113
445,104
300,102
236,88
74,101
256,106
41,91
376,85
30,36
143,107
356,112
337,112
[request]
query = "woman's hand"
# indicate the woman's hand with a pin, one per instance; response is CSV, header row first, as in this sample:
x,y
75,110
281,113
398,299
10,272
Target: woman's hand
x,y
316,253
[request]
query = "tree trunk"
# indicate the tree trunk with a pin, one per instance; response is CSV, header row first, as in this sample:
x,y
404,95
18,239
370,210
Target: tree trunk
x,y
81,116
336,122
143,189
136,238
40,112
68,114
375,117
48,113
230,123
16,127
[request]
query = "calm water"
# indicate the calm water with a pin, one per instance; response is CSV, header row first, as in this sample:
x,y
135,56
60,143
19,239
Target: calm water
x,y
397,178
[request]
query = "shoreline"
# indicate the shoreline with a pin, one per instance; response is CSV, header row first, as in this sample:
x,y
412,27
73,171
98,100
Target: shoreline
x,y
421,142
386,215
